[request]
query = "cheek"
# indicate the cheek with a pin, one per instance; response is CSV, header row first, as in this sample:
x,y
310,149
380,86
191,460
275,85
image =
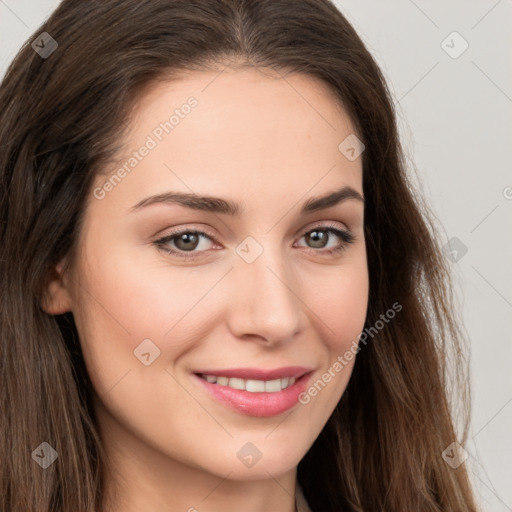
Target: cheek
x,y
140,296
340,305
339,308
123,304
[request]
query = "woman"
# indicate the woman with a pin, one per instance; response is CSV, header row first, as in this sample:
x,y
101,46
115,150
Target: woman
x,y
142,374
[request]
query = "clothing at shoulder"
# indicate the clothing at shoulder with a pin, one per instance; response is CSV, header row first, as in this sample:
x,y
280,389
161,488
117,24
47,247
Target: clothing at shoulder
x,y
300,501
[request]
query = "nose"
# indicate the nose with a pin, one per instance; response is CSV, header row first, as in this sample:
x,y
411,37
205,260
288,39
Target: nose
x,y
264,300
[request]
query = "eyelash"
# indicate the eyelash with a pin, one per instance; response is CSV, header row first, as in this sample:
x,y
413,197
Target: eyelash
x,y
346,236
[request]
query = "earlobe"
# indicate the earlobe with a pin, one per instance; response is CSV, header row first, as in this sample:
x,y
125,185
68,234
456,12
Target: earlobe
x,y
57,299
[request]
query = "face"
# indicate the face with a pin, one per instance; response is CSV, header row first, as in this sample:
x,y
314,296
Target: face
x,y
254,289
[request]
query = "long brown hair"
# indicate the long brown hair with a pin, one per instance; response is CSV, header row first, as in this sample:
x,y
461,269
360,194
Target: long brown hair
x,y
62,115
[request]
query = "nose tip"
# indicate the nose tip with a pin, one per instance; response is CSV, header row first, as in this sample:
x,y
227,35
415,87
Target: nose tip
x,y
265,306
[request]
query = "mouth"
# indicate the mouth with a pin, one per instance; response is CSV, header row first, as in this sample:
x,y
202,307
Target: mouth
x,y
255,392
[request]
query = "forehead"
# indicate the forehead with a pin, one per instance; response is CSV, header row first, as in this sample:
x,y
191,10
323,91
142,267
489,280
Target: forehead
x,y
250,105
248,130
246,85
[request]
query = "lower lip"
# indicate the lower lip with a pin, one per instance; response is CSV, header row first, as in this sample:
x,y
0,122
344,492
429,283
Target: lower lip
x,y
257,404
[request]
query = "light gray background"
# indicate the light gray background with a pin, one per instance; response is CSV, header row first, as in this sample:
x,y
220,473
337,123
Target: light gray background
x,y
456,125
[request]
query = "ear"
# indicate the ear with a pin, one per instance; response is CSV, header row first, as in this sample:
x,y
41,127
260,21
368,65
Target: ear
x,y
57,299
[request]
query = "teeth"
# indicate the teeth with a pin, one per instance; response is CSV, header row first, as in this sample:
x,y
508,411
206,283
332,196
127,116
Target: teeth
x,y
273,385
236,383
254,386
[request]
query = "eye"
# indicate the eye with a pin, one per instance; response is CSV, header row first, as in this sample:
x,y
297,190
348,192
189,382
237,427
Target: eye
x,y
320,236
189,243
184,241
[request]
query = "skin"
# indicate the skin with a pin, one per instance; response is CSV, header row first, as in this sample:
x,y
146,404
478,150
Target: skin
x,y
269,143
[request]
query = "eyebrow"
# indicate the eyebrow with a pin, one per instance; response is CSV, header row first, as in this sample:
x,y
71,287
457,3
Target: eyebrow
x,y
228,207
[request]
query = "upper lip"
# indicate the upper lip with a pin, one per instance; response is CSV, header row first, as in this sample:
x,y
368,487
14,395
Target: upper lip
x,y
257,373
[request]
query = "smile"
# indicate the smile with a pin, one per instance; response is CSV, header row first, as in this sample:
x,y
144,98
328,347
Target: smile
x,y
255,392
